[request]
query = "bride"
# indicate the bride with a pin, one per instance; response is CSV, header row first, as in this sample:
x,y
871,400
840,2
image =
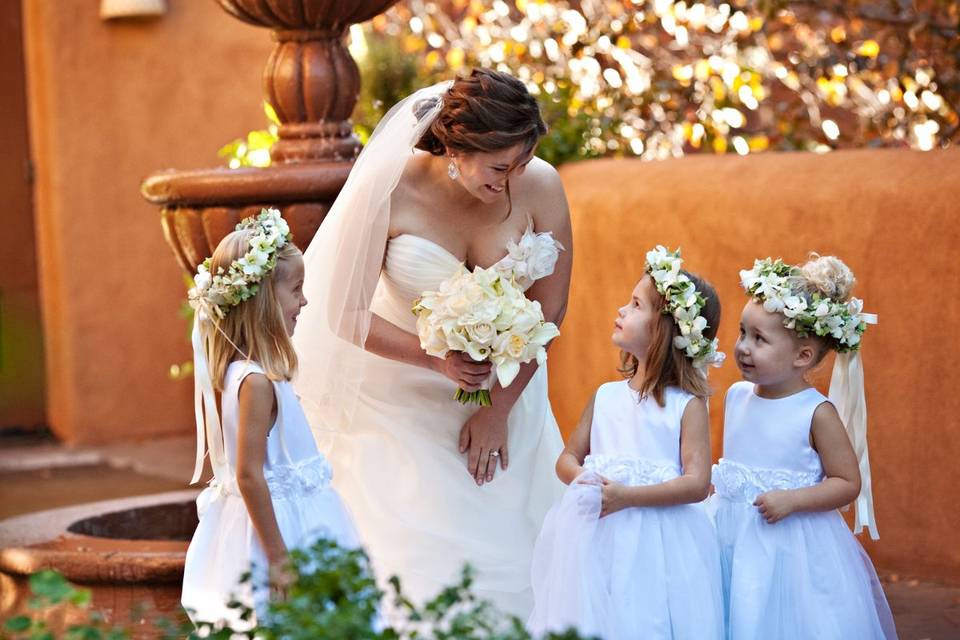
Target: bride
x,y
448,177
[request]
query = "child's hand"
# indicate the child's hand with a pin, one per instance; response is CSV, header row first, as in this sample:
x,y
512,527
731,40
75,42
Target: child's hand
x,y
614,497
774,506
281,579
588,487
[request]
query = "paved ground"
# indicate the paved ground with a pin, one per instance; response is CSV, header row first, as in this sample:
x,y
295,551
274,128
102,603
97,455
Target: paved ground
x,y
44,475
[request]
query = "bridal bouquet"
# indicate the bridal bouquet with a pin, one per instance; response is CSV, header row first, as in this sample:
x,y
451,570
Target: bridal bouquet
x,y
486,315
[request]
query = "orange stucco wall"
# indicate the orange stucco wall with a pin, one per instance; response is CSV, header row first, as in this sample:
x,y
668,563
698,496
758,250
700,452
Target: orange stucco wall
x,y
893,216
109,103
21,345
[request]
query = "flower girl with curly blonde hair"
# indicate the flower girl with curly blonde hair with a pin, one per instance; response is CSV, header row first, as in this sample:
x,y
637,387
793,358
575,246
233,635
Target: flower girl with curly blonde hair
x,y
270,490
791,567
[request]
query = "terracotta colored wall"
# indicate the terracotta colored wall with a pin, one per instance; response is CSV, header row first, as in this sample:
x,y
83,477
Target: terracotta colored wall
x,y
21,343
891,215
111,102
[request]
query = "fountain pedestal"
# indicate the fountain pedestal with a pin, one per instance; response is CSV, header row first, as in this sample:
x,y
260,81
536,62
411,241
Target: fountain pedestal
x,y
312,83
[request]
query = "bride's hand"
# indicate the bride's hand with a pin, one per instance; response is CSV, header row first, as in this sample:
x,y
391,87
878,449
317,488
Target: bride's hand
x,y
469,374
484,435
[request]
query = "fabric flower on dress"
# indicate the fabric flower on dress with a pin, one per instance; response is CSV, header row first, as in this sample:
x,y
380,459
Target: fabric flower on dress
x,y
532,257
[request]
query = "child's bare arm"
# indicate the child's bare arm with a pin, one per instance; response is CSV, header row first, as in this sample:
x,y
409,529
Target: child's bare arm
x,y
841,484
570,462
256,408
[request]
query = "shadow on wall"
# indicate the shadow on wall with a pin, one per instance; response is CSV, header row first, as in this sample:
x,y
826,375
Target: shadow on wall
x,y
891,215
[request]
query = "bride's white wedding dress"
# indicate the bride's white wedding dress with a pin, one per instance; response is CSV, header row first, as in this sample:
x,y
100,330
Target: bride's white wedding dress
x,y
391,430
419,512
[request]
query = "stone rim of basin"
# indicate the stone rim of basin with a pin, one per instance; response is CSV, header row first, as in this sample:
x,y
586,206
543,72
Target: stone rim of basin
x,y
43,540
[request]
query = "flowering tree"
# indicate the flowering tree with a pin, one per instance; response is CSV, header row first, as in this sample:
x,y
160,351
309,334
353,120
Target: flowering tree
x,y
659,78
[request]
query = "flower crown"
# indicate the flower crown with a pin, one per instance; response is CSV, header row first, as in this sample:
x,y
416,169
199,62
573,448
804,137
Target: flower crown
x,y
684,303
770,283
240,281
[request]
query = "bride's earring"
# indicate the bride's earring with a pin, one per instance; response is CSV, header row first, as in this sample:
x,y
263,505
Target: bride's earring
x,y
453,171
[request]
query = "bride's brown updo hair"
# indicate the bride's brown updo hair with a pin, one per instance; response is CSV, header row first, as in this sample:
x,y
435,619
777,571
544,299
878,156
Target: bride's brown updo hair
x,y
485,111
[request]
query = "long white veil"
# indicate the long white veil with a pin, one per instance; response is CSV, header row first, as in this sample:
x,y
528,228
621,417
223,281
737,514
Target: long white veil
x,y
343,263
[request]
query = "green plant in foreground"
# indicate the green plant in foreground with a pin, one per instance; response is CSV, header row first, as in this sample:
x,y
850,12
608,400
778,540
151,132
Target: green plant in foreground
x,y
335,595
52,597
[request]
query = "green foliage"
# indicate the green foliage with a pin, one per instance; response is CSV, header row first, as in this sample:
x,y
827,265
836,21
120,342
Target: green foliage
x,y
337,600
569,130
184,370
335,595
52,597
387,76
667,78
254,151
389,73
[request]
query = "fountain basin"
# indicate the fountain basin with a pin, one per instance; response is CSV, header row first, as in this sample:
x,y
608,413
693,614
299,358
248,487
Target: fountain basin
x,y
129,552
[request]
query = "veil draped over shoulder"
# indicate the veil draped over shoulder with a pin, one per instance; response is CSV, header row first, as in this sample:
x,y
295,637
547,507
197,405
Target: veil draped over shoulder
x,y
342,265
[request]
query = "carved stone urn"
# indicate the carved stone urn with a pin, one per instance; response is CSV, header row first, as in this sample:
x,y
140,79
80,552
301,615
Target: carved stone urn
x,y
312,83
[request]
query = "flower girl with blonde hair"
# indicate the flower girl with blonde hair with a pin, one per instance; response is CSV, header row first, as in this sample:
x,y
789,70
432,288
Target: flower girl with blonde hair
x,y
270,491
791,567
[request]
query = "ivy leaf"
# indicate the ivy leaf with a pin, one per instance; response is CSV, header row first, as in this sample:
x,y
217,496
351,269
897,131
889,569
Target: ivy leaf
x,y
17,624
271,113
80,597
51,585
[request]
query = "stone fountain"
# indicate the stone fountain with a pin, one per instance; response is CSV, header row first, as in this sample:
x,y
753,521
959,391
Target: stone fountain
x,y
312,83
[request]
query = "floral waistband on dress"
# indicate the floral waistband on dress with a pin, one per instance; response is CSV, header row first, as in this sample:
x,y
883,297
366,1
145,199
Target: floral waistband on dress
x,y
631,470
286,481
300,478
739,482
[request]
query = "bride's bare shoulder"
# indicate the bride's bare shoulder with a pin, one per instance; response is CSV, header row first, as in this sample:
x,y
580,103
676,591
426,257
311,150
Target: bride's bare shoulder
x,y
410,198
541,188
539,179
417,170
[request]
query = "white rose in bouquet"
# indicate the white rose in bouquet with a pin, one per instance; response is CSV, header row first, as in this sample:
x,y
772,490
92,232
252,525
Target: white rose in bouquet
x,y
486,315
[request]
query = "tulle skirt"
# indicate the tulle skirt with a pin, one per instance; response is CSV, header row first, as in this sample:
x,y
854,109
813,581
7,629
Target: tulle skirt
x,y
650,572
225,546
420,514
803,577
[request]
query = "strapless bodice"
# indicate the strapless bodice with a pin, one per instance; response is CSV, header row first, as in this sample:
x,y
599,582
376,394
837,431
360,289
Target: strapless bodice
x,y
414,264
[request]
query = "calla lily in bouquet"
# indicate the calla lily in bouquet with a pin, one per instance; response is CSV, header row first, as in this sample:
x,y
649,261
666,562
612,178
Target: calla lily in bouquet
x,y
486,315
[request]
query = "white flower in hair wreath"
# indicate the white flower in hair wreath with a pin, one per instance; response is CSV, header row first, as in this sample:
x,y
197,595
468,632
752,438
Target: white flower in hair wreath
x,y
770,283
240,281
684,303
